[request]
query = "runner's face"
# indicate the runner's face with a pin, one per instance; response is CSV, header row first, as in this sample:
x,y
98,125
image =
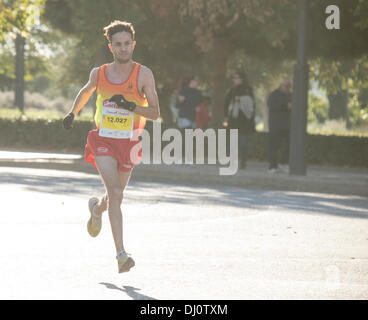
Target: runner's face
x,y
122,46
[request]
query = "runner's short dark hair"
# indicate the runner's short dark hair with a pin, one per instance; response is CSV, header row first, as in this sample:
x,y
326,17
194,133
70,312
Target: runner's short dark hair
x,y
118,26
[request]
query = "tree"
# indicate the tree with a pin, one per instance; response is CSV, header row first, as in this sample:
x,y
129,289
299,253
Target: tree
x,y
223,27
341,78
18,17
267,30
339,55
162,43
179,37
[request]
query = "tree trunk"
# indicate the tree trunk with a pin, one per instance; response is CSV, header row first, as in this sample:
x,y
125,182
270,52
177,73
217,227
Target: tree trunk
x,y
338,105
220,58
19,72
265,112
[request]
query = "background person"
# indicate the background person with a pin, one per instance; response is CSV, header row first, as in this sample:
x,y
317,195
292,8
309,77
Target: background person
x,y
240,113
279,105
188,99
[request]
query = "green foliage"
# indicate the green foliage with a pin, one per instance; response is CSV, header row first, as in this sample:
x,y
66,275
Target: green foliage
x,y
7,66
318,121
161,40
349,151
260,23
317,109
175,38
35,65
42,133
336,75
37,114
338,45
179,37
357,115
19,15
262,73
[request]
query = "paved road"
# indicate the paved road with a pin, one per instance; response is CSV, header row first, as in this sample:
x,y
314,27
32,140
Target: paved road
x,y
189,242
321,179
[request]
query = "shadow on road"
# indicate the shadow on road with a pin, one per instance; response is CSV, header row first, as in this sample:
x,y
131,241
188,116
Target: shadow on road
x,y
313,203
130,291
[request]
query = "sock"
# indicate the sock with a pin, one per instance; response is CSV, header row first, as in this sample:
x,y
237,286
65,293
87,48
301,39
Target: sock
x,y
93,212
121,254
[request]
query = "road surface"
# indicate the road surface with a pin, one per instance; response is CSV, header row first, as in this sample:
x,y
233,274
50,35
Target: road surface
x,y
188,241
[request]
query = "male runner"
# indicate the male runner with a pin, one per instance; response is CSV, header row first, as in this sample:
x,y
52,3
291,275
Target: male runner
x,y
126,96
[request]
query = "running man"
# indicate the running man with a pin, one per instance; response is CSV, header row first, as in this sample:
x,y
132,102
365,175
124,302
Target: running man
x,y
126,96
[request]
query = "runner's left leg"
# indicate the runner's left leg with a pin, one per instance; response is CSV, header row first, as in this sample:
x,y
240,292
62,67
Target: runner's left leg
x,y
115,185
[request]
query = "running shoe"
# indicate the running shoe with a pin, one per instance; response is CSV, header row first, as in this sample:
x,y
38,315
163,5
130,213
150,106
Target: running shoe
x,y
125,262
94,224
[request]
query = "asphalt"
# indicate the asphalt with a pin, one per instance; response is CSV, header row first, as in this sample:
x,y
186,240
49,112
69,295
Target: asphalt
x,y
188,242
333,180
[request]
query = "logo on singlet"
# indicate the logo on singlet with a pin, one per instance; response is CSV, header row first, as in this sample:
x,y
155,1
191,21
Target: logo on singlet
x,y
102,149
108,103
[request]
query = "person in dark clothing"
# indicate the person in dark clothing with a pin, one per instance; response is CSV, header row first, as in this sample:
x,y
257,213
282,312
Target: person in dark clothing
x,y
279,105
188,99
240,113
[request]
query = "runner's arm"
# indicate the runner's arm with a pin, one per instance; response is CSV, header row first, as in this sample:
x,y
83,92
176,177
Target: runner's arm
x,y
149,89
85,93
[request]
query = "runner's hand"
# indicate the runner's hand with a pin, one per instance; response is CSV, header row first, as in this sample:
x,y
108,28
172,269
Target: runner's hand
x,y
121,102
68,120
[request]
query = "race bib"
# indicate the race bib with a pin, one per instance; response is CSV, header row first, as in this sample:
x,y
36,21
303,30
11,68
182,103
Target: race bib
x,y
115,122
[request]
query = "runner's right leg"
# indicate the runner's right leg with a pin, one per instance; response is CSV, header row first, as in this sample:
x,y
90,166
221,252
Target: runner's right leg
x,y
101,206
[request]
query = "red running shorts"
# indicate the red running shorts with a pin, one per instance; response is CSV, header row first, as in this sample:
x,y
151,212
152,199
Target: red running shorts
x,y
119,149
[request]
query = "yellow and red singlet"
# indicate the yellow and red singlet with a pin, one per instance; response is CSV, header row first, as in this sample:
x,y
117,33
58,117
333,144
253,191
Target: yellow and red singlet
x,y
129,89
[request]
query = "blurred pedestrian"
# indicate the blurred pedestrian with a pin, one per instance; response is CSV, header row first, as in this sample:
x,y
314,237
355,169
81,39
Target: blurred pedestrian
x,y
279,105
240,113
202,114
188,99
